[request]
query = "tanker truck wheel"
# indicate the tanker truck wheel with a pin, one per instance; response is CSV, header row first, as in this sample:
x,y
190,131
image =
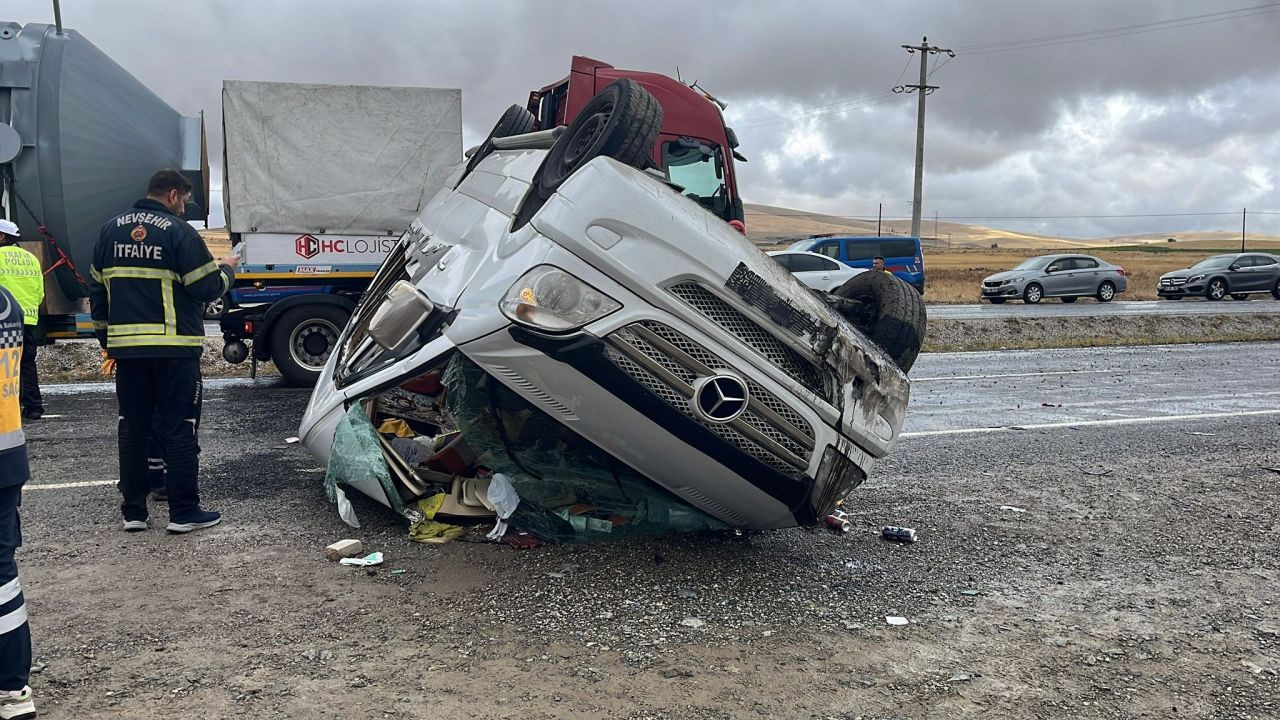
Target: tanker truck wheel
x,y
622,122
303,339
888,311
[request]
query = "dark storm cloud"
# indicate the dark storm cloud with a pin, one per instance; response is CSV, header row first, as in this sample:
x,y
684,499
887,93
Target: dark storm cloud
x,y
1008,131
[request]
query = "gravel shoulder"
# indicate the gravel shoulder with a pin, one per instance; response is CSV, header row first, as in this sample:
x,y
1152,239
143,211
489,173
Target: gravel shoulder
x,y
1144,592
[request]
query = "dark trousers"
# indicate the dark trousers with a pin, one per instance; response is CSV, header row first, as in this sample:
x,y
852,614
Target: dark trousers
x,y
159,400
15,633
29,394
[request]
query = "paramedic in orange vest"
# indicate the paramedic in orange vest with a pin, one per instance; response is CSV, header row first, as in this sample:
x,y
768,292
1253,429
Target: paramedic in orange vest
x,y
15,634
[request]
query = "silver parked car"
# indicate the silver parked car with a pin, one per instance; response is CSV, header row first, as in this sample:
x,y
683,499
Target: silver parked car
x,y
1065,276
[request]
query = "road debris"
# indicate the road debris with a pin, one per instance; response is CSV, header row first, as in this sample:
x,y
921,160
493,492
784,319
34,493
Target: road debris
x,y
1104,473
1275,470
898,534
344,549
895,620
839,520
1011,508
959,678
291,440
399,572
1202,434
693,622
374,558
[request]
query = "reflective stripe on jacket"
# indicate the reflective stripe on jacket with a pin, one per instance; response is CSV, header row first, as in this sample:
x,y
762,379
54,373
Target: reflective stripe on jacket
x,y
13,444
151,277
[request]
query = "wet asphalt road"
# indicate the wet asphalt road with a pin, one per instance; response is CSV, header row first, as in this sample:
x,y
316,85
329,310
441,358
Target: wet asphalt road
x,y
955,393
1049,610
1051,307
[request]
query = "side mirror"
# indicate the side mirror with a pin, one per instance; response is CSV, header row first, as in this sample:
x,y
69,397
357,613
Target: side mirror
x,y
401,312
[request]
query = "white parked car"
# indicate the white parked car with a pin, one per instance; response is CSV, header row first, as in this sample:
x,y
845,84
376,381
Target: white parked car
x,y
623,356
817,271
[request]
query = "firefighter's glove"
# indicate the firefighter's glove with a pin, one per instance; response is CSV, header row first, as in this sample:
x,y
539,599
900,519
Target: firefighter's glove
x,y
108,365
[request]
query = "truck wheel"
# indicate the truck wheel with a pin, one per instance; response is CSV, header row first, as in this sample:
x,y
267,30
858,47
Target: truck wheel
x,y
515,120
622,122
302,340
889,311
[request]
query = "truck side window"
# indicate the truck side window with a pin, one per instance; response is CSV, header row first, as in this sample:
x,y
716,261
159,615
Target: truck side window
x,y
695,167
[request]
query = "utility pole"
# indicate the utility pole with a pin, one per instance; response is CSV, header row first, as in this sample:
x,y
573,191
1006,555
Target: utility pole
x,y
935,226
924,89
879,215
1244,217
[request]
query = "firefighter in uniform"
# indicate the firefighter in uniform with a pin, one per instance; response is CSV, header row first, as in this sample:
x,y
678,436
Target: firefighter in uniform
x,y
151,277
20,274
15,634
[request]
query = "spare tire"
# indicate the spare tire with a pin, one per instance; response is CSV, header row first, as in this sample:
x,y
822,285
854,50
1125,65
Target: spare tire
x,y
889,311
515,120
622,122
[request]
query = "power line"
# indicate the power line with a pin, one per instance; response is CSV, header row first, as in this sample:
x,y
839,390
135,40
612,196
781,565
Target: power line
x,y
1027,44
1122,30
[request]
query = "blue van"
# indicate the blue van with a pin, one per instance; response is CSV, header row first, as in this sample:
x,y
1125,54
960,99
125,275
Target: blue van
x,y
902,255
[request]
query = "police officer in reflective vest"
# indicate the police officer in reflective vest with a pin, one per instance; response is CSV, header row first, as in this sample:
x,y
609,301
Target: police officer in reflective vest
x,y
15,634
21,275
151,277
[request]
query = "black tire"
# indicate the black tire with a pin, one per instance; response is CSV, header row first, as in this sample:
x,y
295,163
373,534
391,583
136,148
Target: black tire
x,y
1239,296
889,311
515,120
1216,289
622,122
1106,291
1275,291
1069,298
996,301
1032,294
296,341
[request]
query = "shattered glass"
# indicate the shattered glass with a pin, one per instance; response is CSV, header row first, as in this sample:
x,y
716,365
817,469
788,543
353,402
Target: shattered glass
x,y
570,490
357,456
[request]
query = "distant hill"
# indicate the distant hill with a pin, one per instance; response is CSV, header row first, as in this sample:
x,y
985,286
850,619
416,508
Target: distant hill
x,y
768,225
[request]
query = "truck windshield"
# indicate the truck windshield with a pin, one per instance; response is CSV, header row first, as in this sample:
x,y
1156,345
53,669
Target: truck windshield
x,y
697,168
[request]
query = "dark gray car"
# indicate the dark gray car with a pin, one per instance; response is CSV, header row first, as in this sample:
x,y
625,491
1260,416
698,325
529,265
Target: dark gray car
x,y
1065,276
1239,275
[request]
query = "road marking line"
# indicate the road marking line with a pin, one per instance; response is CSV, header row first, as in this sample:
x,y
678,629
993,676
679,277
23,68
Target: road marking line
x,y
62,486
1084,423
1117,371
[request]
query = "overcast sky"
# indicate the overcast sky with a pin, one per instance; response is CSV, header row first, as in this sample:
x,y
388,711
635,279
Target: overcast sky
x,y
1182,120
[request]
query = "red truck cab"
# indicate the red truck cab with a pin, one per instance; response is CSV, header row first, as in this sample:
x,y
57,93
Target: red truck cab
x,y
694,148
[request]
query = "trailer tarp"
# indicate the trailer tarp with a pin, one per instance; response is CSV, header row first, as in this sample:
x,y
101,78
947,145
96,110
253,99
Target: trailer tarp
x,y
356,160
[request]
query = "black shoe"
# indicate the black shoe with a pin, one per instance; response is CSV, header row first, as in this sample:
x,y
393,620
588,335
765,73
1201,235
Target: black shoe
x,y
32,414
